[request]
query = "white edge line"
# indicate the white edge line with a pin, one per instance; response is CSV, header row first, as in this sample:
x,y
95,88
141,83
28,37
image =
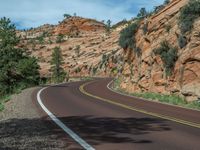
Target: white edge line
x,y
62,125
143,99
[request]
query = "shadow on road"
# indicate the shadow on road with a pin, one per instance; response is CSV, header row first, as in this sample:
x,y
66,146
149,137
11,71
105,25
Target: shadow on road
x,y
115,130
44,134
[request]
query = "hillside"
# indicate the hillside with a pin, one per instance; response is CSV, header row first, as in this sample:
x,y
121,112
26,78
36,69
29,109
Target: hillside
x,y
83,43
147,72
89,50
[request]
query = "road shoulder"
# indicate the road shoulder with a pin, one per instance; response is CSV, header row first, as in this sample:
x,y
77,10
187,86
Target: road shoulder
x,y
21,126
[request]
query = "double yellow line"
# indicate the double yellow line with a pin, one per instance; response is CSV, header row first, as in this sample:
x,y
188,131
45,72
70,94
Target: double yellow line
x,y
81,88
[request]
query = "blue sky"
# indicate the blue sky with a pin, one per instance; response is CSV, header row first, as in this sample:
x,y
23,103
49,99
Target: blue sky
x,y
33,13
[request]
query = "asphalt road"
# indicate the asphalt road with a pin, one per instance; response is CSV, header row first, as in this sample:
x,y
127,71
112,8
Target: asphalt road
x,y
109,121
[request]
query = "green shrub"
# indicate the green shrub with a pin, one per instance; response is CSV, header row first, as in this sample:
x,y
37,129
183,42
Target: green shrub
x,y
77,50
94,70
40,38
67,16
182,41
60,38
77,70
121,23
189,13
127,36
194,105
158,8
1,106
172,99
145,28
168,28
166,2
138,51
168,55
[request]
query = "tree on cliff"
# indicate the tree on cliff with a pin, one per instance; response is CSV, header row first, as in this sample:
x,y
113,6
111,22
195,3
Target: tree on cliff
x,y
108,26
58,73
17,69
67,16
188,14
127,36
166,2
142,13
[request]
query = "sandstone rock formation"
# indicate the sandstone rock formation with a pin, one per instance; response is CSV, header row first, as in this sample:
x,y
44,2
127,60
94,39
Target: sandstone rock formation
x,y
148,71
88,50
84,42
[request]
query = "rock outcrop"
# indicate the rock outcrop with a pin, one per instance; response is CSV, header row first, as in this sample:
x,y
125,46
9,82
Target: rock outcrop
x,y
88,50
148,70
83,43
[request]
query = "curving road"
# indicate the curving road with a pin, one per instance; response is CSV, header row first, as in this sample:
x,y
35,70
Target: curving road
x,y
98,118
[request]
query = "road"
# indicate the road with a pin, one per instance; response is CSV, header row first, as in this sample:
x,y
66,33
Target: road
x,y
106,120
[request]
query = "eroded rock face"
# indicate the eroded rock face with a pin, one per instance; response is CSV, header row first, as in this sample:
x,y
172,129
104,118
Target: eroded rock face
x,y
149,72
140,74
78,24
84,42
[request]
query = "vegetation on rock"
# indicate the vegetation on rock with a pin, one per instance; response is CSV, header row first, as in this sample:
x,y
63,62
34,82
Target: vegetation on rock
x,y
188,15
60,38
108,26
142,13
168,55
182,41
127,36
67,16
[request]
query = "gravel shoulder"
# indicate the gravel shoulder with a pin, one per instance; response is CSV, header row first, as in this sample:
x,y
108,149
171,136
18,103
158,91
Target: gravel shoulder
x,y
22,126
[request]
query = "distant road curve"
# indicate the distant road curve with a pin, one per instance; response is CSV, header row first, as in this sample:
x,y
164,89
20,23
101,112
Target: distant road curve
x,y
98,118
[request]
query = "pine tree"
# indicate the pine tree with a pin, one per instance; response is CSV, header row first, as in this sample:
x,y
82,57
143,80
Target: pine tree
x,y
166,2
14,61
58,73
108,26
143,13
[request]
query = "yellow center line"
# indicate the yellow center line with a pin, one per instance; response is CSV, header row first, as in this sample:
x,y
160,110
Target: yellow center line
x,y
188,123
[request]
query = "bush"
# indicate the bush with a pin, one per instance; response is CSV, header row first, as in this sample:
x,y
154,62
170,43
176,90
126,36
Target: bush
x,y
77,50
40,38
127,36
188,15
60,38
182,41
94,70
77,70
172,99
67,16
168,28
121,23
166,2
145,28
168,55
158,8
138,51
1,106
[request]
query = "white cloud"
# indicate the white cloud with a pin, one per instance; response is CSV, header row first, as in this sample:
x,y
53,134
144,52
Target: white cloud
x,y
32,13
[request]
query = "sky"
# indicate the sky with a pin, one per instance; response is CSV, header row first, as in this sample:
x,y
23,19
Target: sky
x,y
33,13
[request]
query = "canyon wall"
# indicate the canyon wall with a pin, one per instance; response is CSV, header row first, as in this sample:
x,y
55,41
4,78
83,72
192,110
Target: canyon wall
x,y
146,73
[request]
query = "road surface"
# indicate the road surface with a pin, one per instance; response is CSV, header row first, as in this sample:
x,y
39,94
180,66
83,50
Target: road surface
x,y
106,120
